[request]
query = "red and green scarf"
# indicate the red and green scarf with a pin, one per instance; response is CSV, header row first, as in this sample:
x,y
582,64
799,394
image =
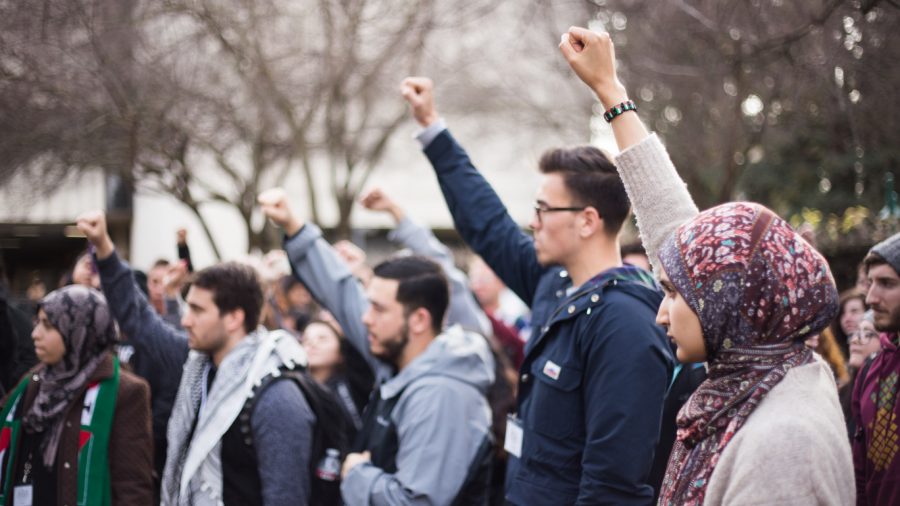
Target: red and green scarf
x,y
93,440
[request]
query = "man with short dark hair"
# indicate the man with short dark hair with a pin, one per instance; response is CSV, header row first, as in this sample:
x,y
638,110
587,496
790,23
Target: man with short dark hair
x,y
156,286
875,408
596,365
425,436
216,368
164,302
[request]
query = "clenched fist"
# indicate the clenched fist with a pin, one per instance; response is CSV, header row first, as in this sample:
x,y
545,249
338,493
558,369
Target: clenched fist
x,y
274,205
377,200
419,92
593,58
93,225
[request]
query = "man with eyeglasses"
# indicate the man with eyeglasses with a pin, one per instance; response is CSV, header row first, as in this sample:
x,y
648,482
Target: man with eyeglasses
x,y
876,442
597,367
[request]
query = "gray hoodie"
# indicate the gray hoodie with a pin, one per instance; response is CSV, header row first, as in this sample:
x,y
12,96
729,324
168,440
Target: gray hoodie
x,y
442,417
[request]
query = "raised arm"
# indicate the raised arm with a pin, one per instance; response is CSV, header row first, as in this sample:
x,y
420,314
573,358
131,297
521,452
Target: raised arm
x,y
184,253
174,280
659,197
318,266
164,346
464,309
478,214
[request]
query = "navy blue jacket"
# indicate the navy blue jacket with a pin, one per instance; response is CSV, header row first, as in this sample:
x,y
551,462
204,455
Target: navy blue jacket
x,y
597,366
160,348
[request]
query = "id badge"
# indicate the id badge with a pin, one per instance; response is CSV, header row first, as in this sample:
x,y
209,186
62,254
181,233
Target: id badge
x,y
23,495
514,436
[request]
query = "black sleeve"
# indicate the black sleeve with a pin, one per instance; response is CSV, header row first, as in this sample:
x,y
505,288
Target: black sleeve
x,y
184,253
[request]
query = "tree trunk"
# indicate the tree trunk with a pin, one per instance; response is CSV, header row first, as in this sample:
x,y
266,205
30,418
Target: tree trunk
x,y
209,237
345,209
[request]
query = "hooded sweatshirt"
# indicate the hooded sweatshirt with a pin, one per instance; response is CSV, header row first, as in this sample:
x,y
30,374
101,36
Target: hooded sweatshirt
x,y
441,418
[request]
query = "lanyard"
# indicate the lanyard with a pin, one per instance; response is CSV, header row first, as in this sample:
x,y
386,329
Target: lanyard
x,y
26,472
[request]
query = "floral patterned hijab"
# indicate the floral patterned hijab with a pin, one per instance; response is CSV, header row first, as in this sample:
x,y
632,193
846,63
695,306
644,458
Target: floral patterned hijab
x,y
759,291
82,317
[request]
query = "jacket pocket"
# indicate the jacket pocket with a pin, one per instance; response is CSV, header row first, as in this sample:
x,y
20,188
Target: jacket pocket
x,y
556,406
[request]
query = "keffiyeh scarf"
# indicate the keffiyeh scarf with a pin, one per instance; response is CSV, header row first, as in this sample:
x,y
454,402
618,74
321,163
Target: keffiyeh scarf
x,y
193,472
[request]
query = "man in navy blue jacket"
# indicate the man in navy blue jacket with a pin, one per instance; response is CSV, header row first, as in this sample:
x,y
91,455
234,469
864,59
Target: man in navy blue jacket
x,y
596,369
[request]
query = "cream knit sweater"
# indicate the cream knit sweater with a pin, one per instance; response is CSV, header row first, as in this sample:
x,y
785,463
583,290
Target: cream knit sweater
x,y
793,449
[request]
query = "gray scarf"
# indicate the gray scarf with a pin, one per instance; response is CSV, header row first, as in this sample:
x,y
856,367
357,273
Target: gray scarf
x,y
193,472
82,317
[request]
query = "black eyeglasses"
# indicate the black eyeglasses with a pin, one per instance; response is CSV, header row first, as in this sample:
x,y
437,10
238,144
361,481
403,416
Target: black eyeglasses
x,y
540,209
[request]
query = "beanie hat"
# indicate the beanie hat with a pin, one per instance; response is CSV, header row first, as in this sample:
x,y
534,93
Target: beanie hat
x,y
889,250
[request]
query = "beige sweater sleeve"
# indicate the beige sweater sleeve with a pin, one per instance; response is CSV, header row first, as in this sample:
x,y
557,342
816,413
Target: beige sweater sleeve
x,y
659,197
793,449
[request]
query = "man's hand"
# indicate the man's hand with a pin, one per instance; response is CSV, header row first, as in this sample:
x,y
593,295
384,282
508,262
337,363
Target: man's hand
x,y
93,225
419,92
355,258
354,459
377,200
275,206
181,236
593,58
174,278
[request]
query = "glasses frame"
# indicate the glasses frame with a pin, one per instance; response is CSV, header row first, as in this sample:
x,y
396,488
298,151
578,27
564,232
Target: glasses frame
x,y
540,209
858,336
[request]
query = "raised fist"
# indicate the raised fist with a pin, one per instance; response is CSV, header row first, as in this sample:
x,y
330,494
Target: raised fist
x,y
274,205
93,225
419,92
376,200
355,258
593,58
174,278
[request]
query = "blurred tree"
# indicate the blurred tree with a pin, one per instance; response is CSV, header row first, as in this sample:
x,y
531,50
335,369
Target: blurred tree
x,y
211,101
792,104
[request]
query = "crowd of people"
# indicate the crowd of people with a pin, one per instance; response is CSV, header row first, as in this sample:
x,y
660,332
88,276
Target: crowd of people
x,y
716,364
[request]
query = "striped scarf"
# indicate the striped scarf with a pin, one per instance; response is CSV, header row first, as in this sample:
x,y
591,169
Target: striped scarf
x,y
193,472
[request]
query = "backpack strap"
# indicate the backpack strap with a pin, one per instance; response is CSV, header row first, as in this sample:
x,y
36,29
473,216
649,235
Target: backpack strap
x,y
329,438
283,373
476,486
379,438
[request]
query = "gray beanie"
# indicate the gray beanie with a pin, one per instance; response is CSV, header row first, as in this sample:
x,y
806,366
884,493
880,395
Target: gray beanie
x,y
889,250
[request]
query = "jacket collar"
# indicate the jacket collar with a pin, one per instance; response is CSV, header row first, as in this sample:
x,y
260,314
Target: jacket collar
x,y
104,369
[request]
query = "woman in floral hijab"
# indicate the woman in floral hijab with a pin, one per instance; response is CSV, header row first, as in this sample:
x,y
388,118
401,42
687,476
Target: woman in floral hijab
x,y
743,292
758,291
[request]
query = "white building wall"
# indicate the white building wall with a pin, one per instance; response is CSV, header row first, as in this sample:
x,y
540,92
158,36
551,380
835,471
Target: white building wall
x,y
508,162
21,202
